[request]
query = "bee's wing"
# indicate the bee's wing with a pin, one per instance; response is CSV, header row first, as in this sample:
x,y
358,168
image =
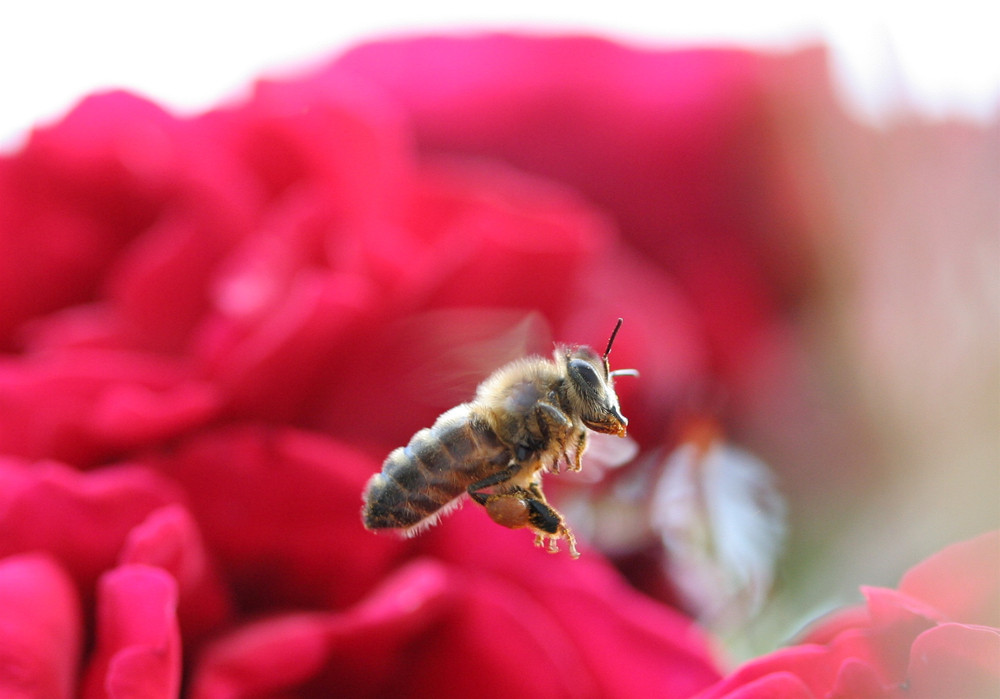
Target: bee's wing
x,y
454,349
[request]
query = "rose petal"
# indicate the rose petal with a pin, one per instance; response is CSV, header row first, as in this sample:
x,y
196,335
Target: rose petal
x,y
138,651
675,142
433,630
169,539
82,519
87,405
955,660
488,240
271,367
657,646
857,680
977,563
818,667
896,619
331,133
77,192
825,630
281,511
897,645
777,685
264,658
40,628
496,235
360,649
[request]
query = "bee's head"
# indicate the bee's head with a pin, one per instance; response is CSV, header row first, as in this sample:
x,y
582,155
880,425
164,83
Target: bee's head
x,y
591,387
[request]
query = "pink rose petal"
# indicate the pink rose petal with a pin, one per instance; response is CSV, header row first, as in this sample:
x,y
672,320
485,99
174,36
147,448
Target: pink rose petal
x,y
280,509
76,193
40,629
668,143
82,519
264,658
355,652
84,405
434,630
138,651
778,685
977,599
899,646
955,660
169,539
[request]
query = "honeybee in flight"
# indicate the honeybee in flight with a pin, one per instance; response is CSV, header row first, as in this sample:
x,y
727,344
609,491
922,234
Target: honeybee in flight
x,y
527,417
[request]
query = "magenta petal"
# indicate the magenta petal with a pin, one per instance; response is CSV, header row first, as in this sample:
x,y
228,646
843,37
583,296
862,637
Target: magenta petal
x,y
85,405
80,518
75,193
858,680
824,630
977,564
434,629
898,645
955,660
290,527
40,629
263,658
654,647
777,685
169,539
355,652
138,650
667,142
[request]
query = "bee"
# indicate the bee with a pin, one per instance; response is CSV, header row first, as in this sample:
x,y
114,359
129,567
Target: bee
x,y
527,418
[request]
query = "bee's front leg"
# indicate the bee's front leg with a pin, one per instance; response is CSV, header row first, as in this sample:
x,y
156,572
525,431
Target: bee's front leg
x,y
554,426
579,448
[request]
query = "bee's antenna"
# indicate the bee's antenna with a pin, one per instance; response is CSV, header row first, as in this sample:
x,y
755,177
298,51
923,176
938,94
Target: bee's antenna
x,y
612,340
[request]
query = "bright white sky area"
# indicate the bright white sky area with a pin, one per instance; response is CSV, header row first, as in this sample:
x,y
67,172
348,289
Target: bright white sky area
x,y
939,57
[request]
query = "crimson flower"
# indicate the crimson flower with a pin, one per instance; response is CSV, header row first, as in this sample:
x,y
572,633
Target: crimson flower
x,y
938,635
215,327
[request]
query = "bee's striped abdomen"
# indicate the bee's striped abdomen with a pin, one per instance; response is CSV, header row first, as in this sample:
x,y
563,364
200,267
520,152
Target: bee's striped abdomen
x,y
432,471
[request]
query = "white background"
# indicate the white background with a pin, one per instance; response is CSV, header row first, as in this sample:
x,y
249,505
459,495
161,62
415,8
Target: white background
x,y
938,57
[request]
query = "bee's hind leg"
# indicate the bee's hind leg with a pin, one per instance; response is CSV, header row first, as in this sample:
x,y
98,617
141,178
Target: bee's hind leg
x,y
549,524
476,489
524,509
519,507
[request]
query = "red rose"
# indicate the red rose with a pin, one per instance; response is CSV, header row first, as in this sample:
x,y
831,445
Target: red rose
x,y
215,329
138,641
675,145
41,630
938,635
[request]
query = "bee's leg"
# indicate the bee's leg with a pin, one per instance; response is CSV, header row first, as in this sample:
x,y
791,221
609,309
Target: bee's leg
x,y
579,449
554,425
521,508
549,524
475,489
535,488
546,521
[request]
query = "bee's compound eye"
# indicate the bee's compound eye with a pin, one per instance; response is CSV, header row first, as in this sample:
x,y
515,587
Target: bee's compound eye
x,y
584,371
511,511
